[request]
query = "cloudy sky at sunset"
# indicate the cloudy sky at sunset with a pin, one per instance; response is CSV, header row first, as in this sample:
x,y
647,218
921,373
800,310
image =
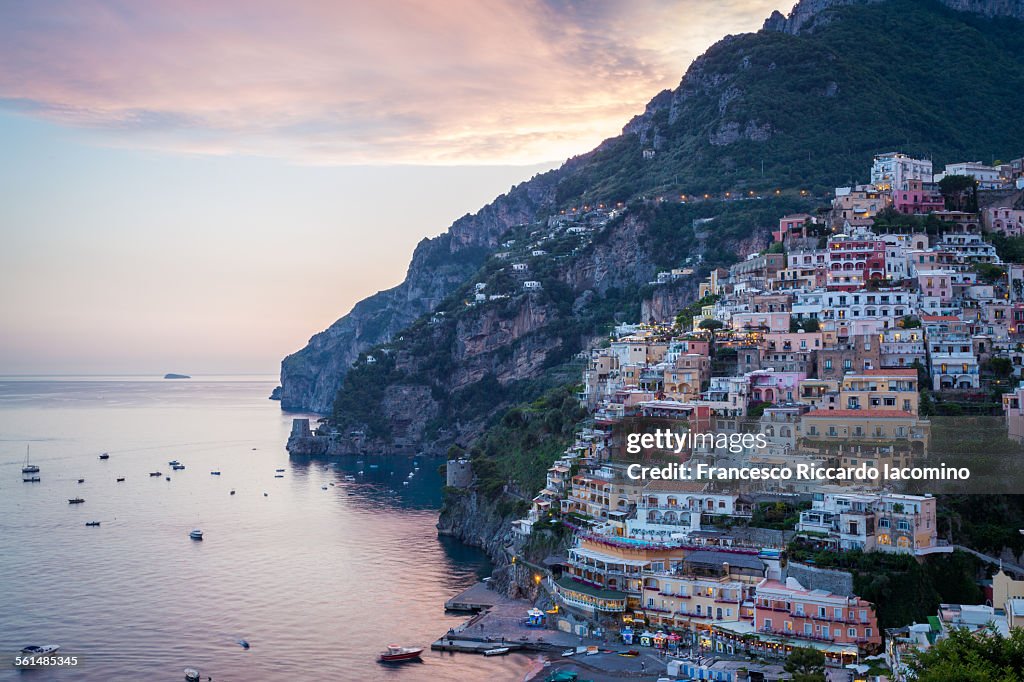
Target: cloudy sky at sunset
x,y
199,186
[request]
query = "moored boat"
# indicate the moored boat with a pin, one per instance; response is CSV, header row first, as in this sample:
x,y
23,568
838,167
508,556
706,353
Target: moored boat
x,y
76,500
92,523
196,534
29,467
500,651
178,467
399,654
156,473
105,456
44,650
191,675
120,479
215,473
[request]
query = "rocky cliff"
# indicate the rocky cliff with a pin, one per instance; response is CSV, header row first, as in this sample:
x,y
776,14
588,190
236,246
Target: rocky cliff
x,y
310,378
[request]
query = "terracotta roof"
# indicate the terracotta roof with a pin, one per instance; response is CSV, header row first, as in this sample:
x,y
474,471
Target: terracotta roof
x,y
939,318
866,414
887,372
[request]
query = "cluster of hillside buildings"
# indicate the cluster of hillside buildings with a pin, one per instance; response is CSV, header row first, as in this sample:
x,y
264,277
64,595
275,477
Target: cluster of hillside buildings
x,y
822,344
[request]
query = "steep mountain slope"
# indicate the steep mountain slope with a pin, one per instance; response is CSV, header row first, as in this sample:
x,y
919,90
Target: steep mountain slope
x,y
801,104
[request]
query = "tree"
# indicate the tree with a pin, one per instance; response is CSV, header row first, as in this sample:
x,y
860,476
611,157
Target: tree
x,y
982,656
1001,367
989,273
960,193
712,326
809,324
806,665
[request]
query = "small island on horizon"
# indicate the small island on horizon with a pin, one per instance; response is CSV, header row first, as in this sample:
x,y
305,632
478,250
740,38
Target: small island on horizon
x,y
172,375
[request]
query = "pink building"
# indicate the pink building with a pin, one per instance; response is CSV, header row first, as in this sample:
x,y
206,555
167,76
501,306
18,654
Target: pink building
x,y
916,199
773,322
791,342
936,283
791,610
864,254
1008,221
775,387
792,227
1013,408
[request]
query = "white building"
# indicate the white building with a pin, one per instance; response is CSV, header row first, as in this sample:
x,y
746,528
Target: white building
x,y
953,363
987,176
854,305
903,524
892,170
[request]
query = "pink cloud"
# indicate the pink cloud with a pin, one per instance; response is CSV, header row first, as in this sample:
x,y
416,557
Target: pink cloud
x,y
404,81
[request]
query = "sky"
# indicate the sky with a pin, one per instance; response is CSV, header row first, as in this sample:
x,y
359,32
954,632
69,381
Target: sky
x,y
197,186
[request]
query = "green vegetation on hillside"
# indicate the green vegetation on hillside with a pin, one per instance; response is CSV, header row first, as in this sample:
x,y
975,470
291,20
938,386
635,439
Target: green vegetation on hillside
x,y
772,110
984,656
520,448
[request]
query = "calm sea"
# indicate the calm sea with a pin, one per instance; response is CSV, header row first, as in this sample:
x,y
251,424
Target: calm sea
x,y
318,581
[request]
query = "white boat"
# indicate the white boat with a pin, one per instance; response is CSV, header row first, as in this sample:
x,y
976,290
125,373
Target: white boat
x,y
29,468
350,477
323,487
191,675
44,650
196,534
500,651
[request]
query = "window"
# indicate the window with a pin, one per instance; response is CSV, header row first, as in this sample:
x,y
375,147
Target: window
x,y
821,612
867,632
767,623
851,632
847,364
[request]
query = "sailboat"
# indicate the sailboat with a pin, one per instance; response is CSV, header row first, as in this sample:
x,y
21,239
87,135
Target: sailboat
x,y
29,468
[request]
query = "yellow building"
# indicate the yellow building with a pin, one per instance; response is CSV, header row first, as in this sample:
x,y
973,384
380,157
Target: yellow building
x,y
865,427
1005,588
881,390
